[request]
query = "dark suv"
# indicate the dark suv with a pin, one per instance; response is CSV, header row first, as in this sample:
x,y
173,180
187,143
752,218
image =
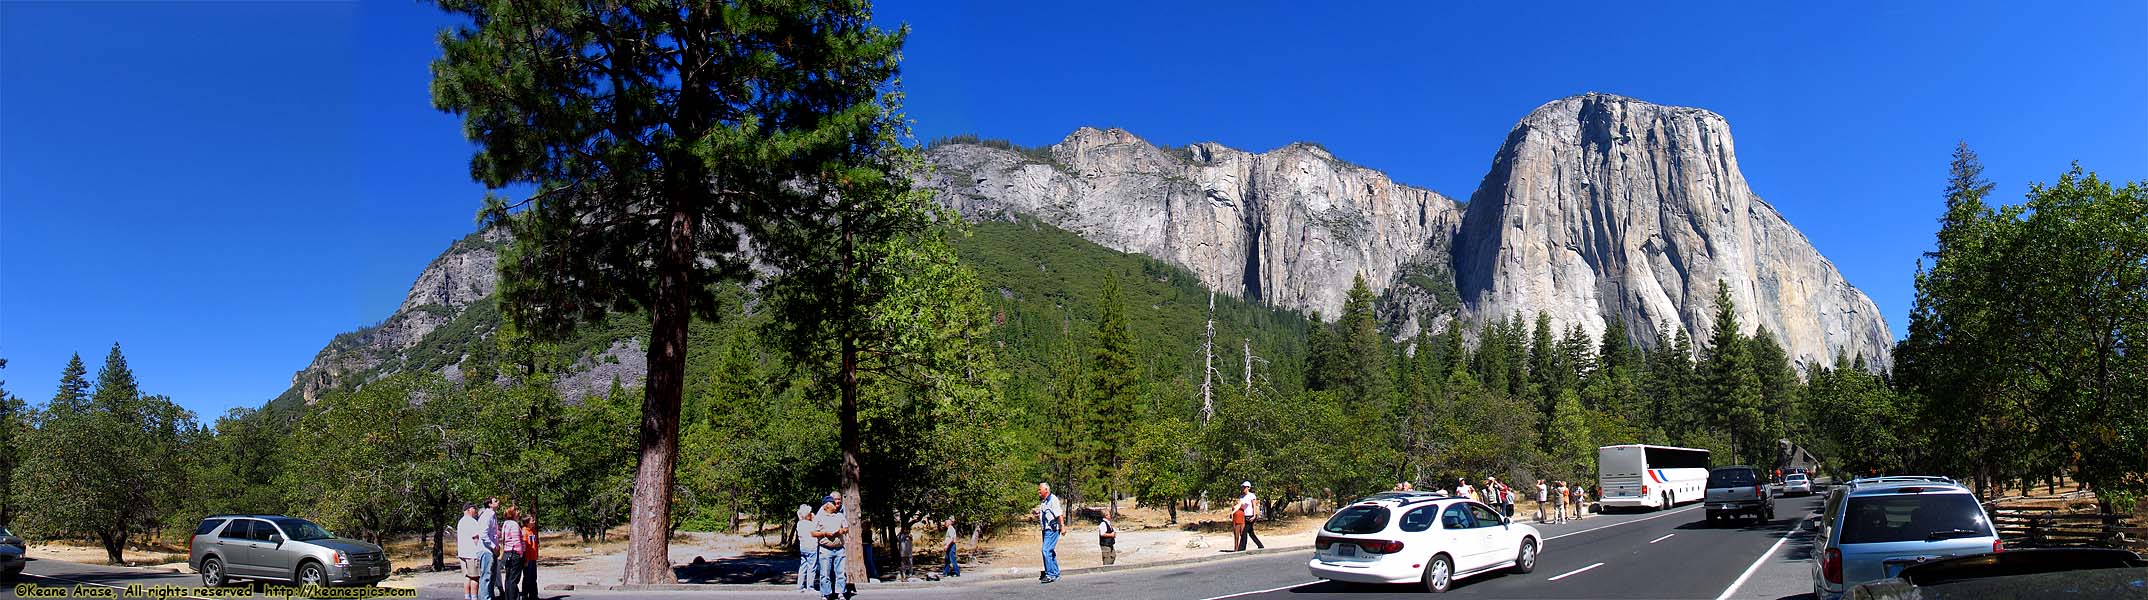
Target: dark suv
x,y
1738,491
280,548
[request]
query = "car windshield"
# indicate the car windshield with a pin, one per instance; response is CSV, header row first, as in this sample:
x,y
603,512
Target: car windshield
x,y
1796,477
5,532
1357,520
1730,478
301,530
1912,517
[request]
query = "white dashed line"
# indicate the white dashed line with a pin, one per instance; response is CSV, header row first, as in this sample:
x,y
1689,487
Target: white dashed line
x,y
1624,522
1575,572
1278,589
1733,589
1661,538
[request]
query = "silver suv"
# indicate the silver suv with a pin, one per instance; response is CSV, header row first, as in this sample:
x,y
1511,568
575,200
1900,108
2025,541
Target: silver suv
x,y
1873,528
280,548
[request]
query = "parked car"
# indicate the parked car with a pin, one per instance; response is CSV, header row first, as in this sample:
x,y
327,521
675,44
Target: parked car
x,y
1422,538
11,562
2081,573
1872,530
8,538
1797,484
1738,491
280,548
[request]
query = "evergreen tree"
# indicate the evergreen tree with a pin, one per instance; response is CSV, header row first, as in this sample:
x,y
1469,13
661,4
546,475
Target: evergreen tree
x,y
1733,390
658,135
1114,381
1778,384
79,483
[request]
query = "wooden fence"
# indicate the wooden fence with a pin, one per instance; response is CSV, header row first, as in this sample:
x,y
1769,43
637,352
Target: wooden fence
x,y
2054,528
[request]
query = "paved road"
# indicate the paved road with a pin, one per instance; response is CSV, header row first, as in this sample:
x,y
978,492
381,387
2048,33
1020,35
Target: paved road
x,y
1658,555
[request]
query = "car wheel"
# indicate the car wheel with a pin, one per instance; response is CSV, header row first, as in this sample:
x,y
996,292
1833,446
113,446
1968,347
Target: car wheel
x,y
311,573
212,573
1525,561
1439,574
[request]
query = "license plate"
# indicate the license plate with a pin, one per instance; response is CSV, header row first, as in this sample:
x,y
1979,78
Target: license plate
x,y
1345,551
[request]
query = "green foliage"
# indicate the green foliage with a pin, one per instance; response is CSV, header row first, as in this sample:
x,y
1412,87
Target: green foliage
x,y
77,482
1164,466
1734,400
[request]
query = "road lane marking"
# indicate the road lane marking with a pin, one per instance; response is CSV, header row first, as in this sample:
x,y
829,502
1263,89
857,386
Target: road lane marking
x,y
1623,523
1668,536
1733,589
1575,572
1278,589
100,584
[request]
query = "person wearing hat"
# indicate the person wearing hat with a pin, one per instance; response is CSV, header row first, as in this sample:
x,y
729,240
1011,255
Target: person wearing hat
x,y
829,527
1244,513
469,542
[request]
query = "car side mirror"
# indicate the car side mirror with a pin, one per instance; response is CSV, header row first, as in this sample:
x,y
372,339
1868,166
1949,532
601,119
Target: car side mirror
x,y
276,538
1506,520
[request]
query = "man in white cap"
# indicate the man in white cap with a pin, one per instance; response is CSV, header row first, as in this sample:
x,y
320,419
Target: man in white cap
x,y
1246,511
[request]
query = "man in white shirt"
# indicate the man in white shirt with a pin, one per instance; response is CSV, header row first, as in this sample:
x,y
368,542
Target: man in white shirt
x,y
1250,505
1461,488
1052,518
829,527
469,534
1541,493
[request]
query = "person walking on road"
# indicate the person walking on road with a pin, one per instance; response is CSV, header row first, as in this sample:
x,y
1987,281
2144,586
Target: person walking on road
x,y
953,568
1107,538
511,550
1248,505
808,549
829,527
469,544
1052,518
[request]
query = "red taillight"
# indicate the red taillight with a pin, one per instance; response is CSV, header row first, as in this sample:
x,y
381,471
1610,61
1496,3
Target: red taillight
x,y
1997,546
1380,546
1644,489
1831,565
1756,491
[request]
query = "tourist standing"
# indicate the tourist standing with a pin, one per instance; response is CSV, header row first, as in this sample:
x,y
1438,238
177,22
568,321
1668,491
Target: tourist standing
x,y
808,548
1558,502
469,544
488,577
1107,538
529,555
953,567
511,550
1541,493
829,527
1052,518
1461,488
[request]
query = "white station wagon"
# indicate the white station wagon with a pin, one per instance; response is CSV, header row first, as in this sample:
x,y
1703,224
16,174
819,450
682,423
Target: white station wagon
x,y
1419,537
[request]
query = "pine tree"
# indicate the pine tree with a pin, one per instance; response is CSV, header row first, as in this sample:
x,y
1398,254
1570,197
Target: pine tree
x,y
659,137
1114,382
1733,391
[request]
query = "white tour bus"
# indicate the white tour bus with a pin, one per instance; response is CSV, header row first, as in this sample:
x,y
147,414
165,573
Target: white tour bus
x,y
1638,475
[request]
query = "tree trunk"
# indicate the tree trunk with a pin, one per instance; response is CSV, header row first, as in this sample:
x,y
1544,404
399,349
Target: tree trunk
x,y
439,537
648,557
851,443
115,546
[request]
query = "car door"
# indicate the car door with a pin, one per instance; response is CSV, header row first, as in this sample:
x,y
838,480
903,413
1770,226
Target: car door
x,y
277,559
1492,531
235,544
1459,529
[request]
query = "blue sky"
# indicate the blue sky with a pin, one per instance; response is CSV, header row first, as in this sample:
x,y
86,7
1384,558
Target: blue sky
x,y
222,186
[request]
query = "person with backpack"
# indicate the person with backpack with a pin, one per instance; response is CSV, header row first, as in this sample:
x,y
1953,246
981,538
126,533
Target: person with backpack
x,y
1558,502
1107,538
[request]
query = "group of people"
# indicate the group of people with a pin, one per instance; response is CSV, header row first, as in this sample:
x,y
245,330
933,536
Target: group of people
x,y
1556,502
498,552
1564,502
820,548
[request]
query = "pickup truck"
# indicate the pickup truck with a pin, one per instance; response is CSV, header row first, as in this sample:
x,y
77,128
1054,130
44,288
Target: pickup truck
x,y
1738,491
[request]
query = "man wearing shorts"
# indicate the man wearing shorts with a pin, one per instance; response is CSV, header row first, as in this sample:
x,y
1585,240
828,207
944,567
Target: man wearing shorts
x,y
468,532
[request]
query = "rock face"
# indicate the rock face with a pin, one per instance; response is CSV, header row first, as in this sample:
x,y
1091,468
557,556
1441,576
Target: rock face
x,y
1602,207
1290,227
